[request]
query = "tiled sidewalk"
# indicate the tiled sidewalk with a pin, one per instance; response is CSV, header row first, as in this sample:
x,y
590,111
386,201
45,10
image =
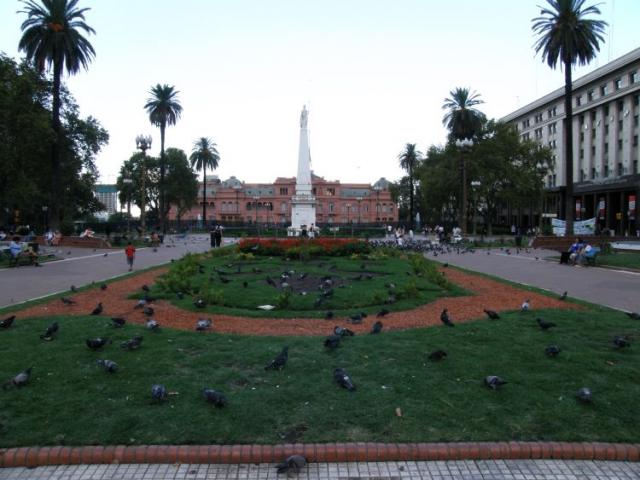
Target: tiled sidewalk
x,y
437,470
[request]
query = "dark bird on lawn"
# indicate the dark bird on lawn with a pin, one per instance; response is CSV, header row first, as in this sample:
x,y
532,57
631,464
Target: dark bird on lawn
x,y
224,280
118,322
203,324
20,380
200,269
148,311
270,281
280,361
145,288
7,322
292,464
328,315
302,276
584,395
97,343
73,288
437,355
213,396
332,341
563,296
552,351
158,392
103,286
153,325
620,342
343,332
444,318
200,303
545,325
344,380
633,315
50,332
97,310
108,365
492,315
132,344
377,328
180,295
245,284
68,301
357,318
493,382
382,313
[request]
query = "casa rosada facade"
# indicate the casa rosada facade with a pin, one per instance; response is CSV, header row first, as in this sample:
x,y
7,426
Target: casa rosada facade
x,y
233,201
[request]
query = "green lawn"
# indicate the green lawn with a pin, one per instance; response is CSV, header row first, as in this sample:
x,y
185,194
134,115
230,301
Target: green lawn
x,y
71,401
620,259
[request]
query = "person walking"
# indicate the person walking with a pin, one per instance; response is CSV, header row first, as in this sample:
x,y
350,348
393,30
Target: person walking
x,y
218,236
130,252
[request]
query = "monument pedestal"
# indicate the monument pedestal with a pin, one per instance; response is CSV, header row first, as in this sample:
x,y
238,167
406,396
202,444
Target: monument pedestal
x,y
303,203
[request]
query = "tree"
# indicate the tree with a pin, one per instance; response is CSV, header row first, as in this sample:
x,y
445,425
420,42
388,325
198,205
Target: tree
x,y
181,182
164,109
464,122
52,35
569,37
204,155
409,160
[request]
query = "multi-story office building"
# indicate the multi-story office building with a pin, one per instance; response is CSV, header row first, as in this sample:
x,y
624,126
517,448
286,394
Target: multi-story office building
x,y
605,143
336,203
108,196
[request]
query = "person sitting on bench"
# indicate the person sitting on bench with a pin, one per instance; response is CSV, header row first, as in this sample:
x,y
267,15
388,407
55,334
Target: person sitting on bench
x,y
575,250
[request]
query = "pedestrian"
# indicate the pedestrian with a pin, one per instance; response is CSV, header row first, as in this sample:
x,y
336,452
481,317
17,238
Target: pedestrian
x,y
130,252
218,236
212,234
155,240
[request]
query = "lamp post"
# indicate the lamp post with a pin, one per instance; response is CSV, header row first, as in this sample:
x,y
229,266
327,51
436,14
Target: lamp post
x,y
463,145
474,185
128,181
143,143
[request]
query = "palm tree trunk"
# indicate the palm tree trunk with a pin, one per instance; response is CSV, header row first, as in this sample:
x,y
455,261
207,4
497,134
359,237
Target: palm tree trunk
x,y
411,199
204,195
162,170
143,206
568,142
54,205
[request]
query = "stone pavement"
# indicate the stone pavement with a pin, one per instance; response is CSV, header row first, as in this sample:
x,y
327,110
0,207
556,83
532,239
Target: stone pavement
x,y
614,288
437,470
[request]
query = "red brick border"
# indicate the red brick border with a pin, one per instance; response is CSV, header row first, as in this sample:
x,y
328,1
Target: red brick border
x,y
329,452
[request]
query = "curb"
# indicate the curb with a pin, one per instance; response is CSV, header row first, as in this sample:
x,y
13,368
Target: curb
x,y
316,452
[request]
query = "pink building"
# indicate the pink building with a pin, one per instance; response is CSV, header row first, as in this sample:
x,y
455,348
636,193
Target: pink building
x,y
336,203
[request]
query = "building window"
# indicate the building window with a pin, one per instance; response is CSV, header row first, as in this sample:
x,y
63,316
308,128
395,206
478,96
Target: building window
x,y
620,126
606,111
525,136
284,191
590,95
582,153
636,100
331,206
635,120
635,140
313,191
619,144
620,106
581,137
551,112
538,133
606,171
593,116
635,166
331,192
619,169
606,129
593,173
538,117
617,83
604,90
582,119
578,100
552,128
593,150
634,77
525,124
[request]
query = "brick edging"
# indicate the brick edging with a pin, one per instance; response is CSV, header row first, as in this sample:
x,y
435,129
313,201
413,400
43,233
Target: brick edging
x,y
316,452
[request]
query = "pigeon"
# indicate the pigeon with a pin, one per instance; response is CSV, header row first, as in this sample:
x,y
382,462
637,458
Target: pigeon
x,y
20,380
620,342
377,328
357,318
73,287
153,325
203,324
7,322
584,395
200,303
97,310
343,379
493,382
180,295
328,315
343,332
132,344
148,311
444,318
545,325
108,365
97,343
105,254
245,284
293,464
142,303
270,281
158,392
145,288
280,361
216,398
118,322
437,355
492,315
382,313
332,341
563,296
633,315
224,280
103,286
68,300
552,350
525,306
50,332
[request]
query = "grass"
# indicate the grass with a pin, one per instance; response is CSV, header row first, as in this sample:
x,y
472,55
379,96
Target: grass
x,y
620,259
442,401
5,262
359,284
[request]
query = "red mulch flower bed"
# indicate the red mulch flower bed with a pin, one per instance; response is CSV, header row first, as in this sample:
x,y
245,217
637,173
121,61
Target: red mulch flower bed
x,y
489,294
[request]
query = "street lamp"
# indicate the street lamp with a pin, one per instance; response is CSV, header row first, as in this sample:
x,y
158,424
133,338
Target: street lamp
x,y
143,143
128,181
474,185
463,145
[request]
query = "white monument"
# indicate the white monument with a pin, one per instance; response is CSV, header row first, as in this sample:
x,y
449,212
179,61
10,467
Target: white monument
x,y
303,203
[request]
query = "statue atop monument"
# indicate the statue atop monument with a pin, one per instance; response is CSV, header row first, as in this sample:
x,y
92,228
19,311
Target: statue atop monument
x,y
303,117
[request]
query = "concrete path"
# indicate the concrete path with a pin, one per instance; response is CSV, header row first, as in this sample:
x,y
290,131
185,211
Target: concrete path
x,y
437,470
614,288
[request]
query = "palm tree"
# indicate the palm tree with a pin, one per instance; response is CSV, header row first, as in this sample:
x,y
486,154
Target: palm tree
x,y
164,109
203,155
566,35
409,159
52,36
464,122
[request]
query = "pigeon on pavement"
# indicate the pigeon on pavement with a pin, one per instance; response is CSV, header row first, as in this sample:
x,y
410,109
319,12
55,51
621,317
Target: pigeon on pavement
x,y
68,300
203,324
108,365
382,313
280,361
213,396
292,464
50,332
377,327
7,322
493,382
103,286
148,311
97,310
328,315
343,332
525,306
200,303
444,318
153,325
343,379
73,287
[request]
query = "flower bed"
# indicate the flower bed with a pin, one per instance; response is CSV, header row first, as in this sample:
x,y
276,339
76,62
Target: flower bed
x,y
303,246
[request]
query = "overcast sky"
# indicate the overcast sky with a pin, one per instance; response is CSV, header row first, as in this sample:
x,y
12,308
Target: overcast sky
x,y
374,73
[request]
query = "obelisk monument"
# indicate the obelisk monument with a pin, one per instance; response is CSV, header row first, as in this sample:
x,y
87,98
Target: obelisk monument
x,y
303,203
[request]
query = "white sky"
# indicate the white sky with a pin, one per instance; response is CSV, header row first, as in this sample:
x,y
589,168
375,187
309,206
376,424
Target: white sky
x,y
375,73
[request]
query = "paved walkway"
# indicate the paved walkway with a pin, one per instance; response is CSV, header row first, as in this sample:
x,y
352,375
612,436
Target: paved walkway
x,y
604,286
437,470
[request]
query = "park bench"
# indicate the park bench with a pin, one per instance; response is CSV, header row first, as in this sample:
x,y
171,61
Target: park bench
x,y
590,256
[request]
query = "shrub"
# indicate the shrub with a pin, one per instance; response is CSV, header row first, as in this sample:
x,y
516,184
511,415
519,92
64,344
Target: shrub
x,y
283,300
213,296
295,247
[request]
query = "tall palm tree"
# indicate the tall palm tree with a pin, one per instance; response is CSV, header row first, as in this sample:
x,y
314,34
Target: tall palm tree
x,y
464,122
203,155
566,35
164,109
52,36
409,159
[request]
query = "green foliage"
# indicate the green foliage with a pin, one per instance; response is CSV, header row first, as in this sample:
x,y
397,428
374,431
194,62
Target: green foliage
x,y
213,296
283,300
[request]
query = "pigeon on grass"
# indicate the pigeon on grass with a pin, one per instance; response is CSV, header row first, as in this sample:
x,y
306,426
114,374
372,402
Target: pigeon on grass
x,y
280,361
50,332
214,397
343,379
332,342
20,380
109,365
97,343
494,382
132,344
7,322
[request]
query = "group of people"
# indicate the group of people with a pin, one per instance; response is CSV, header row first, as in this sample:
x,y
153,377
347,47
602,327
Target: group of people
x,y
577,252
19,250
216,236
